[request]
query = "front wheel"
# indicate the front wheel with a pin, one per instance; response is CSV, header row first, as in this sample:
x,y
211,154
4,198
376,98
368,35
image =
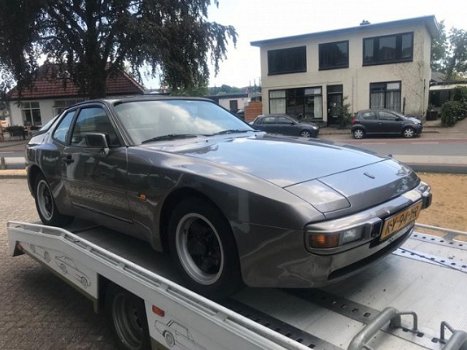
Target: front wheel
x,y
128,319
305,133
203,248
45,204
408,132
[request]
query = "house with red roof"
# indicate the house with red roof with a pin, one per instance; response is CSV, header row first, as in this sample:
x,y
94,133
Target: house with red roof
x,y
52,91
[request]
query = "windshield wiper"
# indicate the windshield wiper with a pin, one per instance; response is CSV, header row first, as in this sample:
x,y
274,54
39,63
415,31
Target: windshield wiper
x,y
230,131
169,137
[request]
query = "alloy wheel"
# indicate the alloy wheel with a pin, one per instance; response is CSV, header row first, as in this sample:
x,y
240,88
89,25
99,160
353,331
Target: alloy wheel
x,y
199,248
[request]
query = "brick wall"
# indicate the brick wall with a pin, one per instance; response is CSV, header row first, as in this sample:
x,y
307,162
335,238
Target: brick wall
x,y
252,110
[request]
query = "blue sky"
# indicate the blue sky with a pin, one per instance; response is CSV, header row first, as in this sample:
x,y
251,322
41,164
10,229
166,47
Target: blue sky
x,y
264,19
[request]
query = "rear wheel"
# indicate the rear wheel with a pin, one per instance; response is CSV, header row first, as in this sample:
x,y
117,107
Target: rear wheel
x,y
358,133
203,248
408,132
45,204
128,319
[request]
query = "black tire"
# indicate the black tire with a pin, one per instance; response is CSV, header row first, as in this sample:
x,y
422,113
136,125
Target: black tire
x,y
408,132
358,133
203,248
45,204
127,317
305,133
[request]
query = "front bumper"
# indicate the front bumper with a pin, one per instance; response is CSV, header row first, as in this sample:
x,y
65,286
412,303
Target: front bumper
x,y
285,263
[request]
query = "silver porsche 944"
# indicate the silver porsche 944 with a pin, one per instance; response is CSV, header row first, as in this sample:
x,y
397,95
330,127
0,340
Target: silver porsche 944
x,y
230,204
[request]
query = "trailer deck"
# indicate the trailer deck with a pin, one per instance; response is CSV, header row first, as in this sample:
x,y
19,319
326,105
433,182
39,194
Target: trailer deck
x,y
425,280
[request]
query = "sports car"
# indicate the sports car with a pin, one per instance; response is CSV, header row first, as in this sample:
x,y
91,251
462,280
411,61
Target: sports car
x,y
230,204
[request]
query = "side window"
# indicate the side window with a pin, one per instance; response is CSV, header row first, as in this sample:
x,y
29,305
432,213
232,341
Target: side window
x,y
93,120
369,116
387,116
61,132
283,120
269,120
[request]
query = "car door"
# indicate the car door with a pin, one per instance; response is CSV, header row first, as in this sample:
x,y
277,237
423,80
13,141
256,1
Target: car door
x,y
95,179
390,122
286,126
370,121
267,124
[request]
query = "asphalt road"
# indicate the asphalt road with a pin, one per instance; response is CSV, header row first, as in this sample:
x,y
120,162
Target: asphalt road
x,y
37,309
446,151
425,146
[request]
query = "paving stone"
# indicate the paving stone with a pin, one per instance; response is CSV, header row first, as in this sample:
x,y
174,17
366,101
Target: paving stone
x,y
37,309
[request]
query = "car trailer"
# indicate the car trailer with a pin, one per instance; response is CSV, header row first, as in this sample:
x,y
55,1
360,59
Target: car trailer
x,y
412,299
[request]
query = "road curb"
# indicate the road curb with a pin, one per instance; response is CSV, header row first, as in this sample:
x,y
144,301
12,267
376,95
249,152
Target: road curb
x,y
13,174
438,168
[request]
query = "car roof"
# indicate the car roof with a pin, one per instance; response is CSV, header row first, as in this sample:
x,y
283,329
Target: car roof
x,y
140,98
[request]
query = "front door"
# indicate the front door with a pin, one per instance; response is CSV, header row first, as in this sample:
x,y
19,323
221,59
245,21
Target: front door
x,y
335,99
96,180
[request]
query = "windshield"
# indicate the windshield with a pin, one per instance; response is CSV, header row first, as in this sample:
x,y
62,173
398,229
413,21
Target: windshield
x,y
48,124
147,121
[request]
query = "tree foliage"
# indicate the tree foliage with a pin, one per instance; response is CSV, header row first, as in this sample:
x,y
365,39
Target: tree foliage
x,y
91,39
449,53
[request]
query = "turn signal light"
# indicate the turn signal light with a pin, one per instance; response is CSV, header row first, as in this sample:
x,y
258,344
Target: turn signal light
x,y
158,311
324,240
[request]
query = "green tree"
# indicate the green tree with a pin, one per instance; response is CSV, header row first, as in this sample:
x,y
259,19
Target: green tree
x,y
92,39
439,47
456,66
449,53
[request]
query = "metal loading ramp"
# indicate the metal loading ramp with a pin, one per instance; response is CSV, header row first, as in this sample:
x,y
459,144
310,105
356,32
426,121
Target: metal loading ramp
x,y
412,299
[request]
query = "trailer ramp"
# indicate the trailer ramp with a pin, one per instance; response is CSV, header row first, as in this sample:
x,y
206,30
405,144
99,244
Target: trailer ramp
x,y
370,310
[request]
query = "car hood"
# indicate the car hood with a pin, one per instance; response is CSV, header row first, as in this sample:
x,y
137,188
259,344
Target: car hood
x,y
279,160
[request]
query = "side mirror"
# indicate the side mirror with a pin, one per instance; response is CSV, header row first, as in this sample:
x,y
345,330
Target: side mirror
x,y
97,140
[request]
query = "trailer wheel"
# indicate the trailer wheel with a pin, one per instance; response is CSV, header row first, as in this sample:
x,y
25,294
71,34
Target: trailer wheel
x,y
128,320
169,339
45,204
203,248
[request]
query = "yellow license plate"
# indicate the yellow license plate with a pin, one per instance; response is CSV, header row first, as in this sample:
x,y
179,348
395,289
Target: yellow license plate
x,y
400,220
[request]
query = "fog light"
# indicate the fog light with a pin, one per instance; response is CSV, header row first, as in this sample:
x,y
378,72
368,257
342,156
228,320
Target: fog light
x,y
353,234
324,240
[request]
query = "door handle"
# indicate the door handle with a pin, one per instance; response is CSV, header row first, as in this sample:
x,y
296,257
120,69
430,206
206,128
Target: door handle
x,y
68,159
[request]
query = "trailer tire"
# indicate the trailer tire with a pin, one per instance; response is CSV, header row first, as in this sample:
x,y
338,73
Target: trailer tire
x,y
203,248
128,320
45,204
169,339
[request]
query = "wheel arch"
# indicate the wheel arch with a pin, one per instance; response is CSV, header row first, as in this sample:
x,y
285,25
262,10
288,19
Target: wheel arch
x,y
171,202
33,172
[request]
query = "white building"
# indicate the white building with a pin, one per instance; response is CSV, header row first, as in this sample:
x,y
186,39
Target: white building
x,y
384,65
51,92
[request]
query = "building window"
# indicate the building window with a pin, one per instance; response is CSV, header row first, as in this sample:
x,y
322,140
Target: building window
x,y
277,101
386,95
334,55
233,105
313,104
388,49
284,61
302,103
61,105
31,113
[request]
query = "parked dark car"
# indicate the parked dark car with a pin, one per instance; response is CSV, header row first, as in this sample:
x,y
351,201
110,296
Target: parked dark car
x,y
285,125
230,204
384,122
